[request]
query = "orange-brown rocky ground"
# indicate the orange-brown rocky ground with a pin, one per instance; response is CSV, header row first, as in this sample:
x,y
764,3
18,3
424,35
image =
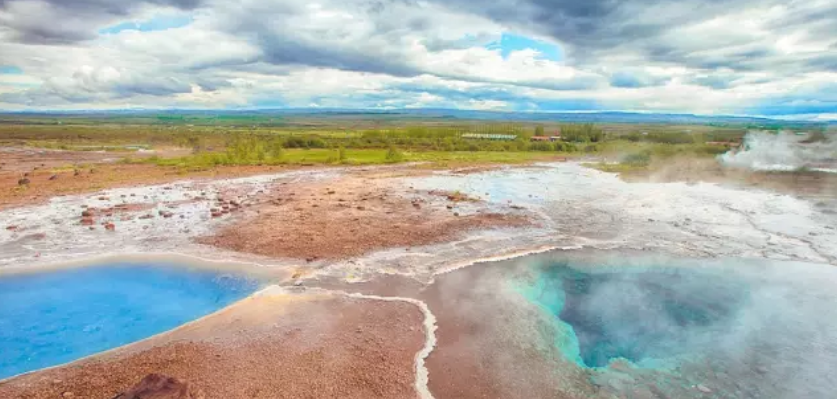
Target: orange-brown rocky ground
x,y
351,216
278,346
43,186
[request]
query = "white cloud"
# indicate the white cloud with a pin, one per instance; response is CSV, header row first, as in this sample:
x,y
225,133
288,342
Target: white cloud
x,y
705,57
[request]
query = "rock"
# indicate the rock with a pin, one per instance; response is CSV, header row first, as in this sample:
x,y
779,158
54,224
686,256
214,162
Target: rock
x,y
360,208
68,394
159,386
703,388
87,213
103,198
87,221
110,226
11,228
23,182
53,177
298,283
456,214
37,236
146,216
216,214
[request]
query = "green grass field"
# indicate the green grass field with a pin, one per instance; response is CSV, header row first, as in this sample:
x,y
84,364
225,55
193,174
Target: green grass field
x,y
353,157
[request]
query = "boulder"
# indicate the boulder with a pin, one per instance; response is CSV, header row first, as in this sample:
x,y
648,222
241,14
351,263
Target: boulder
x,y
22,182
53,177
159,386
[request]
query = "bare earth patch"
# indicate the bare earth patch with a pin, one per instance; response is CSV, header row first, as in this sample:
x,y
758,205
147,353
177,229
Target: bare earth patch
x,y
349,217
44,183
275,346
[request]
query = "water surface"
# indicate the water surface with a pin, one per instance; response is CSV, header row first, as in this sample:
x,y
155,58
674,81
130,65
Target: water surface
x,y
54,317
735,328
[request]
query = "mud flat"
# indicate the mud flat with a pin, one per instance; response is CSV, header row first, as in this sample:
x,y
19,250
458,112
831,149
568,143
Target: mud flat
x,y
417,248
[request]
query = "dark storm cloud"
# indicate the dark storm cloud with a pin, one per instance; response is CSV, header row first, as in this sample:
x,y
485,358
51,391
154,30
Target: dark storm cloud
x,y
282,51
69,21
588,25
593,29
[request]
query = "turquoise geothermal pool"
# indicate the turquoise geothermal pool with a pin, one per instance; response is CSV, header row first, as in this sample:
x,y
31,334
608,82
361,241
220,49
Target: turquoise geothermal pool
x,y
54,317
735,328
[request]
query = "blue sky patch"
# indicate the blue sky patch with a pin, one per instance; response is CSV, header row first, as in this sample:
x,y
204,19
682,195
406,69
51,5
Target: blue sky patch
x,y
510,42
10,70
159,22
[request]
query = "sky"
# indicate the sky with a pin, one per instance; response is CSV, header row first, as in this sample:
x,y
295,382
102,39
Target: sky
x,y
775,58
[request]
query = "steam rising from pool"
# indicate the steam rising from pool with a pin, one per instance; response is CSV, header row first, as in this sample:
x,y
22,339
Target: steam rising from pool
x,y
735,328
783,151
55,317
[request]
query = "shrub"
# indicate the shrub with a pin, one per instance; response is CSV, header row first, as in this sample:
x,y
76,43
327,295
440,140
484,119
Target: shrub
x,y
639,159
394,155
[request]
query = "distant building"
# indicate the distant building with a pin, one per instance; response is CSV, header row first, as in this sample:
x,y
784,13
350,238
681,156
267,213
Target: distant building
x,y
546,138
485,136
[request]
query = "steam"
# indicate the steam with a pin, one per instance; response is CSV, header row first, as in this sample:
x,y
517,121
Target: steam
x,y
783,151
767,323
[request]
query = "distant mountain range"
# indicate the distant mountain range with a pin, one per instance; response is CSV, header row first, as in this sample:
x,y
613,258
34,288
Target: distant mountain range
x,y
451,114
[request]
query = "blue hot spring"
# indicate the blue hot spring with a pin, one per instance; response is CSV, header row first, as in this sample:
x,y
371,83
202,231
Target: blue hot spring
x,y
734,328
55,317
656,313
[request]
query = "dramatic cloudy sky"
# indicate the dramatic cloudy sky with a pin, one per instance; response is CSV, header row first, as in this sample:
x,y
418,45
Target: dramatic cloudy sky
x,y
754,57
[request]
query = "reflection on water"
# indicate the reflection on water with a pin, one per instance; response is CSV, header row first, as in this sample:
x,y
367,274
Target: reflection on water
x,y
55,317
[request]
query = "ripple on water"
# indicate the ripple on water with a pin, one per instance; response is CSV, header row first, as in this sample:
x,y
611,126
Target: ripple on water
x,y
54,317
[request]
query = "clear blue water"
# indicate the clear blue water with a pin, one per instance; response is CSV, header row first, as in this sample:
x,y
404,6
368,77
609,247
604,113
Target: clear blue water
x,y
739,328
56,317
644,315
